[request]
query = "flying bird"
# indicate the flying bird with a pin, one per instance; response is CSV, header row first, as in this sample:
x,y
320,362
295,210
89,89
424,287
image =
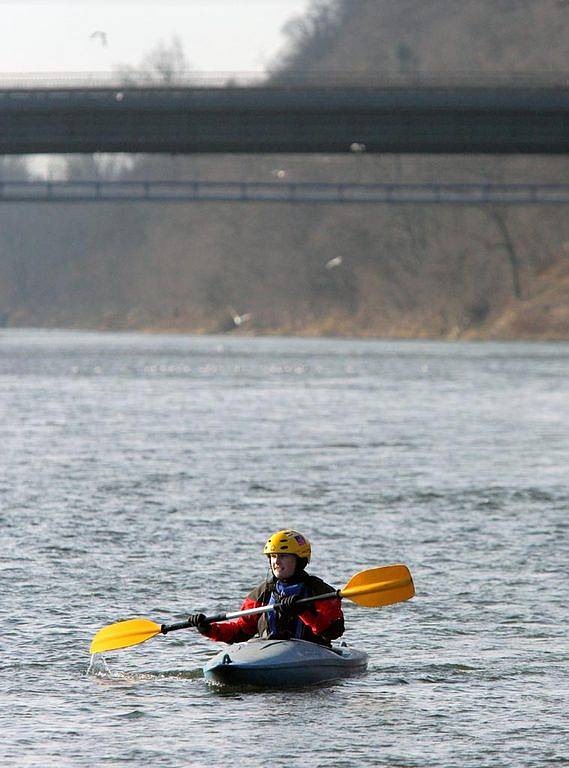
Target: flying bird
x,y
335,262
99,35
238,320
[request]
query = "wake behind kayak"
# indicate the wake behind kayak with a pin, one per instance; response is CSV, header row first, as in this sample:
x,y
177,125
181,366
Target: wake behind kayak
x,y
283,664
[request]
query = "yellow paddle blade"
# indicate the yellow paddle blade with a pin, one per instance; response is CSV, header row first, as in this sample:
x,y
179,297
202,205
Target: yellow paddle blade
x,y
380,586
123,634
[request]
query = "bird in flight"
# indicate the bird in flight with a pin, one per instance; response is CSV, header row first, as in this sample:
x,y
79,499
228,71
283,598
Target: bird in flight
x,y
335,262
101,36
239,319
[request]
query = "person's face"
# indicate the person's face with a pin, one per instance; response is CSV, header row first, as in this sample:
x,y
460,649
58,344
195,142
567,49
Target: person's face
x,y
283,566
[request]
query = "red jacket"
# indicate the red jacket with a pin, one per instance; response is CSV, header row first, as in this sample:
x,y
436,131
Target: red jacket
x,y
322,620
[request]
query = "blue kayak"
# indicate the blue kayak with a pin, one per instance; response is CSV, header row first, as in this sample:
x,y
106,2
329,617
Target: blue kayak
x,y
283,664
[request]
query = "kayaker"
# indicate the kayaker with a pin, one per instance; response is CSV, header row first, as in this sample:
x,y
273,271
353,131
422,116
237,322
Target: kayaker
x,y
319,622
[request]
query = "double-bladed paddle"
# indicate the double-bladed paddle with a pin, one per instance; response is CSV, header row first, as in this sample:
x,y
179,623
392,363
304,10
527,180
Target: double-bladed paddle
x,y
372,588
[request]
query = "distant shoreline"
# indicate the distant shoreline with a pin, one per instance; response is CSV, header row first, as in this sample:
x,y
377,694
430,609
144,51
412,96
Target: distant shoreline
x,y
468,337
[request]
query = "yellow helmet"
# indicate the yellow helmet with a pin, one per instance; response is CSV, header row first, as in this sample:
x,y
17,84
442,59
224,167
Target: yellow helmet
x,y
288,543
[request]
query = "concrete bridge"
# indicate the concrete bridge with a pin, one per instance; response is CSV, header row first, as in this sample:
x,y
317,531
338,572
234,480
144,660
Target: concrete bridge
x,y
506,119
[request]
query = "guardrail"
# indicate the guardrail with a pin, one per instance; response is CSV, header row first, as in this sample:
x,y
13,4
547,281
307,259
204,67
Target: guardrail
x,y
195,191
195,79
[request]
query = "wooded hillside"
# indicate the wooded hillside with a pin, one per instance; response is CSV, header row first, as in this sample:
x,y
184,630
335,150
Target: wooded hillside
x,y
405,271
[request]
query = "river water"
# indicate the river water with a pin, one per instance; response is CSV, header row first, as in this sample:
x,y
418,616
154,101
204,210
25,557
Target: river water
x,y
140,476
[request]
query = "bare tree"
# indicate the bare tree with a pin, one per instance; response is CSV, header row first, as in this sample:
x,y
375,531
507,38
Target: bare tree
x,y
499,216
166,64
309,36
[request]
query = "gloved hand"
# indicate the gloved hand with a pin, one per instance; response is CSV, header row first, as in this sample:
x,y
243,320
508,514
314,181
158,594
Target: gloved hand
x,y
288,605
198,621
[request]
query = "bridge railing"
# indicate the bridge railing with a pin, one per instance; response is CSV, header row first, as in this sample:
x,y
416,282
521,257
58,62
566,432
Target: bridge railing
x,y
340,78
93,191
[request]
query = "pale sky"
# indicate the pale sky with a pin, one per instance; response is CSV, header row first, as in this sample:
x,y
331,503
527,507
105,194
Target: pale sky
x,y
218,35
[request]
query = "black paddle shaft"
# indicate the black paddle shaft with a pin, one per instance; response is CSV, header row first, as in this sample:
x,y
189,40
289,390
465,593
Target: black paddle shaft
x,y
165,628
